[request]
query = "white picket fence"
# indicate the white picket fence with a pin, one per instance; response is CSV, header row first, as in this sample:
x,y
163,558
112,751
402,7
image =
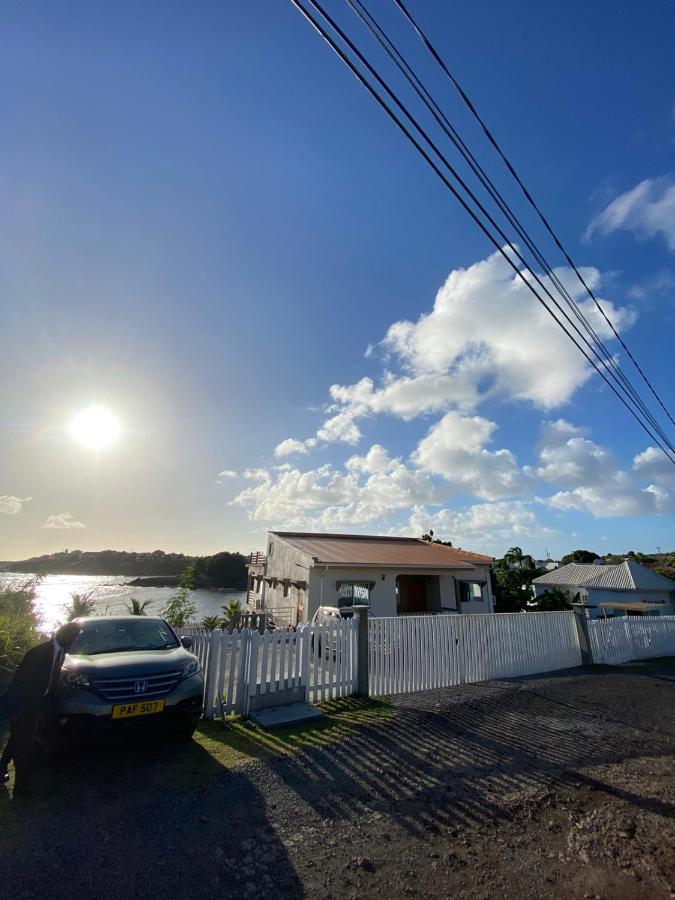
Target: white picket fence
x,y
246,669
417,653
619,640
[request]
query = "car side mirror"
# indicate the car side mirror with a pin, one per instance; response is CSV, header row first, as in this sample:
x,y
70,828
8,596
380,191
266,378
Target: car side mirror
x,y
186,642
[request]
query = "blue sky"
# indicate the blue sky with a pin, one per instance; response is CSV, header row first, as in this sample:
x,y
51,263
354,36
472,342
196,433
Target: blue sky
x,y
206,223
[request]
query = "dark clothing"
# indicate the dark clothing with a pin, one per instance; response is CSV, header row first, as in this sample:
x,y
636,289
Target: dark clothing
x,y
27,701
26,693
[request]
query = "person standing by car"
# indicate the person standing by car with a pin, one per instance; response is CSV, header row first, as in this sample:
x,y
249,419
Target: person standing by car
x,y
28,698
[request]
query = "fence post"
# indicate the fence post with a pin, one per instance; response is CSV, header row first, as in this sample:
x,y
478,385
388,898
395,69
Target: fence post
x,y
362,673
244,673
584,637
211,674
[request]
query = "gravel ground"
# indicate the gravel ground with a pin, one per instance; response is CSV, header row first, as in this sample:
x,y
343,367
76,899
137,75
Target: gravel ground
x,y
552,786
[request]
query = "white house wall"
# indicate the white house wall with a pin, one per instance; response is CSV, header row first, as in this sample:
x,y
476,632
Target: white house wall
x,y
383,594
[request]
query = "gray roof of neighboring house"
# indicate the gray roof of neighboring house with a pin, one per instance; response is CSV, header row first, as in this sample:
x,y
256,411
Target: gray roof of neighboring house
x,y
626,576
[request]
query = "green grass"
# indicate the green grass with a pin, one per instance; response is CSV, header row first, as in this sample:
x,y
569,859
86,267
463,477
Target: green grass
x,y
240,741
139,769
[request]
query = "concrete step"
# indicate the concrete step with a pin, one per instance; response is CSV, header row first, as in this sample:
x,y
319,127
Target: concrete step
x,y
280,716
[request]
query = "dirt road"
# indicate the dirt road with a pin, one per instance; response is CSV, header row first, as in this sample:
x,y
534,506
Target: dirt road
x,y
556,786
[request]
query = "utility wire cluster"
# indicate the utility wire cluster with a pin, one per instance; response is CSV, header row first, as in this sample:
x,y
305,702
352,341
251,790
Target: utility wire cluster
x,y
548,289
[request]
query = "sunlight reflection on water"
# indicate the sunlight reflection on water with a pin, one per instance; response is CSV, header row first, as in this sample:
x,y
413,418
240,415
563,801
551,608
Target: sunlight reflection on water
x,y
111,594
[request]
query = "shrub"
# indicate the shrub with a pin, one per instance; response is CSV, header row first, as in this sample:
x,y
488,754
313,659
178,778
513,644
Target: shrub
x,y
19,627
179,609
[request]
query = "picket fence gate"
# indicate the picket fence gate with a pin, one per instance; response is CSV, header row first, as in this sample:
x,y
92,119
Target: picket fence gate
x,y
619,640
417,653
246,670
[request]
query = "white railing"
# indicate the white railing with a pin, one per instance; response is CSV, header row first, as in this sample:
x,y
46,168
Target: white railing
x,y
246,669
620,640
415,653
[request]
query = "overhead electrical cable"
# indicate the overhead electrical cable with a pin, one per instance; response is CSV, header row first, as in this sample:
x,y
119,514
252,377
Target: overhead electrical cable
x,y
670,453
411,77
432,50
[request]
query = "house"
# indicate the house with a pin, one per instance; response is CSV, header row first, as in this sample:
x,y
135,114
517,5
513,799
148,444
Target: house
x,y
625,589
301,571
548,564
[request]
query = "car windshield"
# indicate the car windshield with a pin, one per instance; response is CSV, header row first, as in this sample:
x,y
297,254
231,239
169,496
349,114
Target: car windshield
x,y
116,636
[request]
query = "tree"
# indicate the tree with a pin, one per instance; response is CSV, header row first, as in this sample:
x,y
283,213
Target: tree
x,y
180,609
511,589
554,599
136,608
231,610
514,556
579,556
210,623
81,606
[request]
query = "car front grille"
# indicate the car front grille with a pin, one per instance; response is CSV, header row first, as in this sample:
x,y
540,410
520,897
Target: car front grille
x,y
139,687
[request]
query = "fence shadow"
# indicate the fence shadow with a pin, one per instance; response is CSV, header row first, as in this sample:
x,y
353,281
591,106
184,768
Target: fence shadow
x,y
452,757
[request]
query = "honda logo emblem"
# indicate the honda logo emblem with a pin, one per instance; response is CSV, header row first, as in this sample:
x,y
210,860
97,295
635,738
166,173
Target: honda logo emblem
x,y
140,687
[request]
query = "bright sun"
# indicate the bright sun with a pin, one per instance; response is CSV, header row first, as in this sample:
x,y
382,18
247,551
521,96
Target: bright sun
x,y
95,427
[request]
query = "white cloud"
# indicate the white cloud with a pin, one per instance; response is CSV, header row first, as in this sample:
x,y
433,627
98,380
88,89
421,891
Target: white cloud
x,y
647,210
11,505
653,465
593,480
485,527
377,459
290,447
603,503
570,460
226,475
62,521
486,337
454,448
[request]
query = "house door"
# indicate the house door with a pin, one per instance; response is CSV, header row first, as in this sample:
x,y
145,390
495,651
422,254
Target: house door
x,y
411,594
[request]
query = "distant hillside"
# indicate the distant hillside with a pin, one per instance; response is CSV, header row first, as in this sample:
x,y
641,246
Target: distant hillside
x,y
222,570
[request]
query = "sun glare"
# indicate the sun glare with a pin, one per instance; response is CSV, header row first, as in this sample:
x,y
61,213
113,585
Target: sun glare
x,y
95,427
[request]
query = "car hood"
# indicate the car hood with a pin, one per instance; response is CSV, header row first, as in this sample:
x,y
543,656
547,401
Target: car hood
x,y
136,662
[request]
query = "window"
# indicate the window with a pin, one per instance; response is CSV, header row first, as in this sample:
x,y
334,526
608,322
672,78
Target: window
x,y
271,550
287,589
351,592
470,591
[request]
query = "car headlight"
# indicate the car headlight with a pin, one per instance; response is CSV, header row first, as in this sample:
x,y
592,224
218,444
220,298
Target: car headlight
x,y
191,668
75,679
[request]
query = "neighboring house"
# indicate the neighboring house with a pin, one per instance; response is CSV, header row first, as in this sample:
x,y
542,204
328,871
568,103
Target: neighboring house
x,y
301,571
624,589
548,564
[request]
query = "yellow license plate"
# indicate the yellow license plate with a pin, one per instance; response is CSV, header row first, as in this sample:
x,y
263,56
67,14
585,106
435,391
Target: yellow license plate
x,y
141,708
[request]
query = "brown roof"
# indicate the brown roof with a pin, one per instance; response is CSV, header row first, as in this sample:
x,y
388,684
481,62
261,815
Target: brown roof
x,y
373,550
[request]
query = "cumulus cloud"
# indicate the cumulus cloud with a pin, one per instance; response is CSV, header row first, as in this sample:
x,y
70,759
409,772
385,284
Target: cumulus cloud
x,y
483,524
485,337
652,464
11,505
226,475
647,210
570,460
62,521
593,480
454,448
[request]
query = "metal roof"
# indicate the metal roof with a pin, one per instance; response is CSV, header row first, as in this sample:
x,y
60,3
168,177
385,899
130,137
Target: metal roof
x,y
626,576
380,551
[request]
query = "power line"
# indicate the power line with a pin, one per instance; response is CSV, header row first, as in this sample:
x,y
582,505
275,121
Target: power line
x,y
427,43
411,77
379,99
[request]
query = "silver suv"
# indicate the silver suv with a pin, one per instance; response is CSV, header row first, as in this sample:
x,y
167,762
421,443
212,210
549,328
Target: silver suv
x,y
129,670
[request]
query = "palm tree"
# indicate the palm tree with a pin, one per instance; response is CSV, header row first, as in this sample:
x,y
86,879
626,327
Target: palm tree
x,y
81,606
515,555
231,610
210,623
136,608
